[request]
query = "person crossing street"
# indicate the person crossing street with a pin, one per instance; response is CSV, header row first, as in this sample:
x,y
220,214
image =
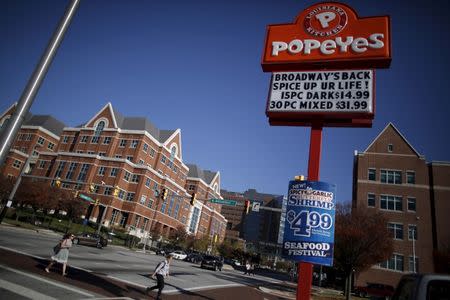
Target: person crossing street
x,y
161,272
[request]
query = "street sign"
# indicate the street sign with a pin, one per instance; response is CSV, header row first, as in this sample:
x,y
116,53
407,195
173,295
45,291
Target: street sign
x,y
224,201
309,224
256,206
84,197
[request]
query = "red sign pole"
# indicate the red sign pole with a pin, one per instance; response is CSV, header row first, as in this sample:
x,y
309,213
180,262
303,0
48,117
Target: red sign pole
x,y
305,270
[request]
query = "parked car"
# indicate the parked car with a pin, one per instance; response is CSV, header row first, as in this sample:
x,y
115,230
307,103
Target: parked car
x,y
90,239
423,287
375,290
212,262
178,254
194,258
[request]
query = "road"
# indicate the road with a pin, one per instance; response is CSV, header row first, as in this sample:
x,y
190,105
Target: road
x,y
125,265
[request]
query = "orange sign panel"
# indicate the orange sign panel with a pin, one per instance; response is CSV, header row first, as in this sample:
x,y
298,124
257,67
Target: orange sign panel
x,y
328,35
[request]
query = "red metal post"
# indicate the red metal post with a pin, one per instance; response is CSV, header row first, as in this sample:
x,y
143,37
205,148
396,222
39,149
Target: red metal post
x,y
305,270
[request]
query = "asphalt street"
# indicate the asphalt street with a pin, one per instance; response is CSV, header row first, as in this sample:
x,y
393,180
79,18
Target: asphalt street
x,y
113,271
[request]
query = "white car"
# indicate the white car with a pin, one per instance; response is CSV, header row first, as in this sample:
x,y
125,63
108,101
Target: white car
x,y
179,255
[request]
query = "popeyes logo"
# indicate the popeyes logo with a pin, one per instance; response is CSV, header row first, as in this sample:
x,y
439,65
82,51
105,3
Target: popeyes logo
x,y
328,35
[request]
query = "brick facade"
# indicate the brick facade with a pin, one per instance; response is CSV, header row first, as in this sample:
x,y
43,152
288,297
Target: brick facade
x,y
132,156
391,177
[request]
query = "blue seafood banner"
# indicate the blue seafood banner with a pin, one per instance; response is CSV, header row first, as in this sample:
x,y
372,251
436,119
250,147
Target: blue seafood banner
x,y
309,223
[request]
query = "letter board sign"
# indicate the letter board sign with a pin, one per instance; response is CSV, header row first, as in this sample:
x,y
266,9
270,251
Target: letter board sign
x,y
309,224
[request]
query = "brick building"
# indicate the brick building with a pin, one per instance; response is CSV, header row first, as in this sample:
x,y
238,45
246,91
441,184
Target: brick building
x,y
126,163
390,176
38,134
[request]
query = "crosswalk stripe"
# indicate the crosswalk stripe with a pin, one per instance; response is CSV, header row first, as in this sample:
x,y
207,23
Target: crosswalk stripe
x,y
23,291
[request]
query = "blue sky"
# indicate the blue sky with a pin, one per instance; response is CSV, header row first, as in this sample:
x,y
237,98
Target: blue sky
x,y
195,65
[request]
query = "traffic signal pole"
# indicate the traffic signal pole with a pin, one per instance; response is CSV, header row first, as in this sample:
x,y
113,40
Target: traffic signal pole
x,y
305,270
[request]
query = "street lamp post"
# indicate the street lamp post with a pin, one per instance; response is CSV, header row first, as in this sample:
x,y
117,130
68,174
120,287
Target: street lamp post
x,y
16,186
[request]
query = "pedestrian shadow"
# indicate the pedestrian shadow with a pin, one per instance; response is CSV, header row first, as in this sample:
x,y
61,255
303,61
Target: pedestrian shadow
x,y
184,292
86,280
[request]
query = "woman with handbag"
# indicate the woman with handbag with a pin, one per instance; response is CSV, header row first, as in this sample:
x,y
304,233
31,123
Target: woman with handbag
x,y
61,253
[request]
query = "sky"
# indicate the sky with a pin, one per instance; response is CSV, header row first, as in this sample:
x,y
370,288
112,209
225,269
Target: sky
x,y
196,65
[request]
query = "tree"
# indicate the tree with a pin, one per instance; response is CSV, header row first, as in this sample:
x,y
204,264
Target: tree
x,y
6,186
32,194
361,240
178,236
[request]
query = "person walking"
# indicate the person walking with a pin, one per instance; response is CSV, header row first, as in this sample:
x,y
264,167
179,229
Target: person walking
x,y
61,255
161,271
247,268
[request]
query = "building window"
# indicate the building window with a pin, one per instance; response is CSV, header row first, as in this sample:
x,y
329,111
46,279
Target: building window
x,y
123,143
191,187
391,202
150,202
102,154
394,263
396,230
114,215
84,139
95,139
42,164
118,156
412,232
121,194
96,189
135,178
163,159
411,204
145,147
83,172
173,152
99,128
29,136
130,196
60,168
141,162
17,164
410,177
155,189
414,264
390,148
91,152
126,176
143,199
177,209
194,220
147,182
152,152
113,172
107,191
101,171
144,224
50,146
137,220
171,202
106,140
163,207
134,144
124,219
65,139
71,170
41,141
393,177
130,157
371,200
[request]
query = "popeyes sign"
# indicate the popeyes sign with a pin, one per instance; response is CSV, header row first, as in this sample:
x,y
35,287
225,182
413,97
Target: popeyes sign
x,y
328,35
323,67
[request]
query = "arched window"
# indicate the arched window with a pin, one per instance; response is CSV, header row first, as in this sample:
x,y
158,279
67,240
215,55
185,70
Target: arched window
x,y
99,128
173,152
4,122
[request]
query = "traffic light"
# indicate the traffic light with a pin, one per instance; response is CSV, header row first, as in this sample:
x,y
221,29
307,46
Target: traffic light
x,y
299,178
58,182
193,198
116,191
75,194
164,194
96,202
246,207
91,187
